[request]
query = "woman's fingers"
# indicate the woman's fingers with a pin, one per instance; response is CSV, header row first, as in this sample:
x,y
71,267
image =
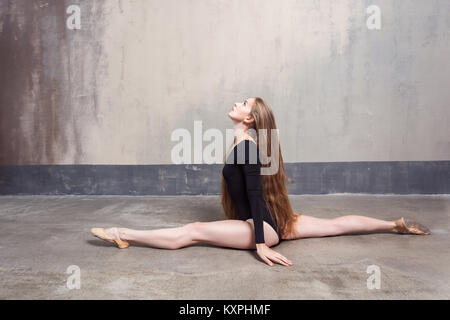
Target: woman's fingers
x,y
268,261
275,257
283,262
285,259
280,261
265,259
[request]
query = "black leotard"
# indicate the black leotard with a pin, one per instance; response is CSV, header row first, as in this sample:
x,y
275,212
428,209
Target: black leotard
x,y
244,186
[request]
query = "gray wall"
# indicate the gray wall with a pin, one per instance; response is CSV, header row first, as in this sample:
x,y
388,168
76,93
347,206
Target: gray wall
x,y
112,92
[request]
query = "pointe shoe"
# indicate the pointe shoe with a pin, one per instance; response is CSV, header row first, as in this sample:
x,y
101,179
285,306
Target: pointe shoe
x,y
101,233
407,226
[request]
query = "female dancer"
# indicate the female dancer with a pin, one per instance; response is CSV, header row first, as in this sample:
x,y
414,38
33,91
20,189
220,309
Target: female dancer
x,y
257,206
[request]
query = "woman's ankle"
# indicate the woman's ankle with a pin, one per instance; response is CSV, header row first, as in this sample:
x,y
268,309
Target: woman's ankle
x,y
393,227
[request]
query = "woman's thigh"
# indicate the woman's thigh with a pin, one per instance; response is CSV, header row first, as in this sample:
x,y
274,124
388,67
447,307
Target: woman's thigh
x,y
311,227
236,234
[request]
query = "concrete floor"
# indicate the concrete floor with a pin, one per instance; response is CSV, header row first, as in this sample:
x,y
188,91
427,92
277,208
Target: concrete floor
x,y
41,236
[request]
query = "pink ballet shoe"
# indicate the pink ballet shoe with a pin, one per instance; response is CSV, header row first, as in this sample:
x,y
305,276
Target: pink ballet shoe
x,y
407,226
101,233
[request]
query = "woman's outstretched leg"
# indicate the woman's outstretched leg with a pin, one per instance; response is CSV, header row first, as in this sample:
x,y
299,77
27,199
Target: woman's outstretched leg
x,y
226,233
165,238
309,227
354,223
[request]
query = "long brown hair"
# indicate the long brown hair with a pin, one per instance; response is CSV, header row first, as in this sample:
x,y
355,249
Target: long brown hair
x,y
274,190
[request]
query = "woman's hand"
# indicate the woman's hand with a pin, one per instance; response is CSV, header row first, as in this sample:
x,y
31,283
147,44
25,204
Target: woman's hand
x,y
268,254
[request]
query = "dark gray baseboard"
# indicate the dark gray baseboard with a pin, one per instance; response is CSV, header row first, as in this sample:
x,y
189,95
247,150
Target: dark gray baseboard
x,y
404,177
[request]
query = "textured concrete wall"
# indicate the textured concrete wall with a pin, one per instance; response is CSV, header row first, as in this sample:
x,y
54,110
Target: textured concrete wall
x,y
113,91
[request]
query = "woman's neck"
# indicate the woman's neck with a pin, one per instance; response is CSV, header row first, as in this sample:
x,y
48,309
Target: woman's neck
x,y
240,132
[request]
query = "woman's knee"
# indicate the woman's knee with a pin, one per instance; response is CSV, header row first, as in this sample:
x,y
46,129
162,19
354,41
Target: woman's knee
x,y
337,225
185,235
195,230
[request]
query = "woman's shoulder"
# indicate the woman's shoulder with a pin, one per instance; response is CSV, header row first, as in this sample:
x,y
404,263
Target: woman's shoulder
x,y
247,151
247,140
246,144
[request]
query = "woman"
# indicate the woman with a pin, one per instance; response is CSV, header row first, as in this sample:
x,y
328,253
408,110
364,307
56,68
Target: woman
x,y
256,205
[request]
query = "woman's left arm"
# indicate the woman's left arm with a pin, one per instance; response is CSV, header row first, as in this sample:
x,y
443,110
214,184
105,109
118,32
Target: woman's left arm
x,y
252,175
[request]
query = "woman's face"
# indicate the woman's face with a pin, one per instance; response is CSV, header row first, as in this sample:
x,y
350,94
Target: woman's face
x,y
241,110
